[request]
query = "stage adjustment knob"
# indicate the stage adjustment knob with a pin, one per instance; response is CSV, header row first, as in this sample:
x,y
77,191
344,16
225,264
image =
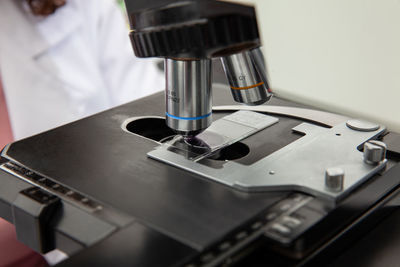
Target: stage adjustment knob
x,y
334,179
374,152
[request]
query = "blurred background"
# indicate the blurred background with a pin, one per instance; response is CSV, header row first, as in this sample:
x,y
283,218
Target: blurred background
x,y
121,4
338,55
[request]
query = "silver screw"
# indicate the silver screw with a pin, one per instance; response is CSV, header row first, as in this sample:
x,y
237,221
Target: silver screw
x,y
334,179
374,152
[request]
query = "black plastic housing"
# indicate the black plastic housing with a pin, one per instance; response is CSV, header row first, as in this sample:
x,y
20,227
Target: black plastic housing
x,y
191,29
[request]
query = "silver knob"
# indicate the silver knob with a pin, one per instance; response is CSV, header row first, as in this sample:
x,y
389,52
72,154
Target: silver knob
x,y
374,152
334,179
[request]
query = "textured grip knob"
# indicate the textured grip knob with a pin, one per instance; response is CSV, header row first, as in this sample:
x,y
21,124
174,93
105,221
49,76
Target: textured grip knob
x,y
193,29
334,179
374,152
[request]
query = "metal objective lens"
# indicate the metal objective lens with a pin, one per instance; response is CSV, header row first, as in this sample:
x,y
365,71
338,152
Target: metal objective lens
x,y
246,75
188,95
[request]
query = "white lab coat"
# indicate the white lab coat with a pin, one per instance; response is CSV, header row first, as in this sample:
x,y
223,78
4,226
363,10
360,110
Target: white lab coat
x,y
69,65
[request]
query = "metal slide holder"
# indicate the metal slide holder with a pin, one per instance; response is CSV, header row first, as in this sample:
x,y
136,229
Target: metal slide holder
x,y
299,166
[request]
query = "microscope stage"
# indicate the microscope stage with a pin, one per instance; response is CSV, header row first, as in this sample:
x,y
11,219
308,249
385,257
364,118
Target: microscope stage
x,y
299,166
118,201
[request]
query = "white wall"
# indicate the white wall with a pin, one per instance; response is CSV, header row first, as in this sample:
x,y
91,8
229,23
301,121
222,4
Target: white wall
x,y
341,55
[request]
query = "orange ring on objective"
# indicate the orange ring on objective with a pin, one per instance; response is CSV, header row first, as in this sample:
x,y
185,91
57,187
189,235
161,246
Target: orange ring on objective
x,y
247,87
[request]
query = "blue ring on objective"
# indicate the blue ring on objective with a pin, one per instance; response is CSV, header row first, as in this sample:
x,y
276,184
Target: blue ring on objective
x,y
188,118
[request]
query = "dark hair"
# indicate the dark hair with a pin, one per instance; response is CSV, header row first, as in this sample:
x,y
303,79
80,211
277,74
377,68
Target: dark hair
x,y
45,7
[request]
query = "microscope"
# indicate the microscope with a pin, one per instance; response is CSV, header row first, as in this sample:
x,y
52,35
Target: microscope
x,y
188,34
281,184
